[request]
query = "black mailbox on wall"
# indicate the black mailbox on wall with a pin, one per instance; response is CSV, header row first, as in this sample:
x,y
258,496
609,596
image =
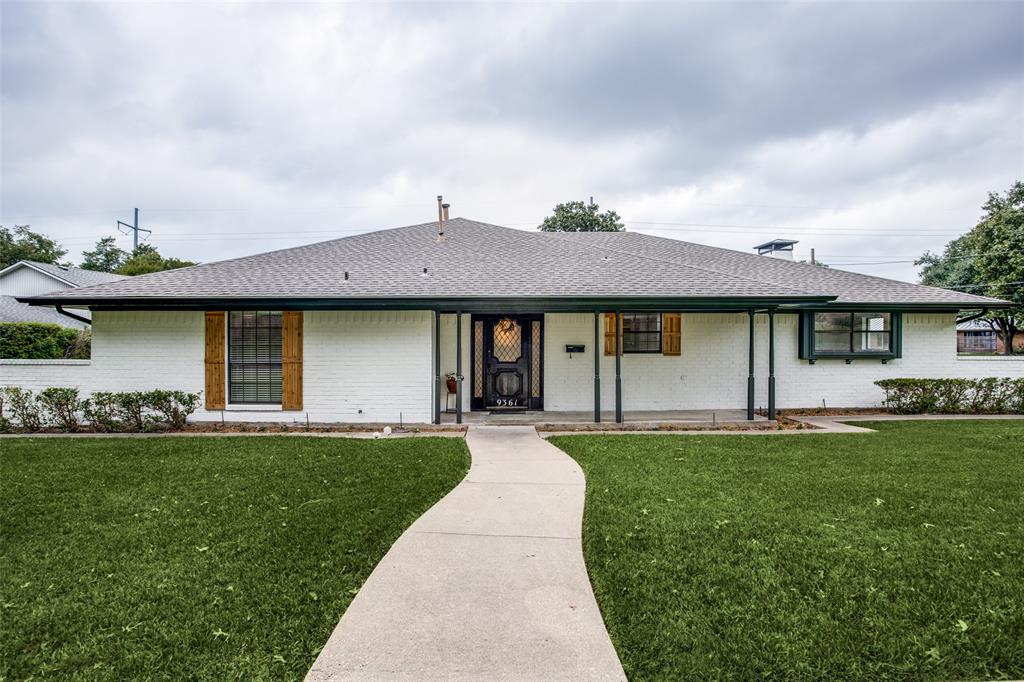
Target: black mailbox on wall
x,y
572,348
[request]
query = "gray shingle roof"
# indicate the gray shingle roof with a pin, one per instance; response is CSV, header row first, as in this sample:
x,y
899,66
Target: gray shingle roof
x,y
75,276
850,287
478,260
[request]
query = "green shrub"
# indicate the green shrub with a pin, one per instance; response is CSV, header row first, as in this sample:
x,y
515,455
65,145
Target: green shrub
x,y
131,411
104,412
992,395
5,422
80,347
100,411
41,341
61,407
173,406
24,407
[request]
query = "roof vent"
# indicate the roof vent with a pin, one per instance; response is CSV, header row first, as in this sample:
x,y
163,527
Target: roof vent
x,y
442,216
777,248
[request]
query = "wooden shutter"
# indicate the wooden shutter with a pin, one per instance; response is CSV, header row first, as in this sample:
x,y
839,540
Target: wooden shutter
x,y
671,334
215,360
609,334
291,360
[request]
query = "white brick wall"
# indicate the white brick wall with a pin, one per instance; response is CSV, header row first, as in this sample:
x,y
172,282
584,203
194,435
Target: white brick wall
x,y
359,366
374,366
368,366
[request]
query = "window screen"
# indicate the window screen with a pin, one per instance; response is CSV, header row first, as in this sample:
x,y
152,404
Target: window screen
x,y
641,332
254,357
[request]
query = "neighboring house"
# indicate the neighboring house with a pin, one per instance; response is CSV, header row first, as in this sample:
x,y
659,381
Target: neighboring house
x,y
978,336
365,328
30,278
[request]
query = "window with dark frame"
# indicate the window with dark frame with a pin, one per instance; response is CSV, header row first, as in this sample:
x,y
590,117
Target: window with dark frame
x,y
641,332
853,333
254,357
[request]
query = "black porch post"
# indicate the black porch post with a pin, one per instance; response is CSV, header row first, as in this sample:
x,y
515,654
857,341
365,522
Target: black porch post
x,y
437,366
618,367
597,368
750,374
771,364
458,368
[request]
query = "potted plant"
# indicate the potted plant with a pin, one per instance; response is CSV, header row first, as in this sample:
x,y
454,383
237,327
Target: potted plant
x,y
452,380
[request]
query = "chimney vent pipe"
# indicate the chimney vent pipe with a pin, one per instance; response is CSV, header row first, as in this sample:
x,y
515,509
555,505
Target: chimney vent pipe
x,y
440,218
444,209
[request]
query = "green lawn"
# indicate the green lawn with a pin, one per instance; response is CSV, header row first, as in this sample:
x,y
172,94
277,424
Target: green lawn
x,y
892,555
197,558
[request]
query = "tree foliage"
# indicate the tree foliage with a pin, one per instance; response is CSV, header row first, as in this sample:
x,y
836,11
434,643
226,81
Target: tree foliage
x,y
43,341
988,260
576,216
106,257
146,259
21,243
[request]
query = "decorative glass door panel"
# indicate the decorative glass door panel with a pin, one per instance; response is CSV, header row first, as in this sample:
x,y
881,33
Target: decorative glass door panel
x,y
510,355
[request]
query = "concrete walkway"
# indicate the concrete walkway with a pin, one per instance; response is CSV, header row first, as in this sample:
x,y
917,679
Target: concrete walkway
x,y
489,584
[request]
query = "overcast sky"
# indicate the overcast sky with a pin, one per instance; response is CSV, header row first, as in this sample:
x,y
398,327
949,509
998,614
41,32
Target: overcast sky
x,y
868,131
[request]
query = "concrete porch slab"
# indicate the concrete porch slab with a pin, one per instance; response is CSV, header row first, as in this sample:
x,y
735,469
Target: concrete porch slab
x,y
636,418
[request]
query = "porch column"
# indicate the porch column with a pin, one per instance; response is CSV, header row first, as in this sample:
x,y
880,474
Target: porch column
x,y
597,368
437,366
771,363
750,374
458,368
618,367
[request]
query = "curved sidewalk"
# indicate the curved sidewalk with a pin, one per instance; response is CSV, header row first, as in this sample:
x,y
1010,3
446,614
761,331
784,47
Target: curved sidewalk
x,y
489,584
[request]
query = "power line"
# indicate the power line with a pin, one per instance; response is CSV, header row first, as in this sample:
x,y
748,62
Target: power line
x,y
983,284
790,228
997,252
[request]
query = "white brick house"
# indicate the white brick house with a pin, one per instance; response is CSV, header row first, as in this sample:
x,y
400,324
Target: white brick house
x,y
364,329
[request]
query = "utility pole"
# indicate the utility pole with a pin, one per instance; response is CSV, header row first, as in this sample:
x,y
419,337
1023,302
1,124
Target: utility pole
x,y
134,228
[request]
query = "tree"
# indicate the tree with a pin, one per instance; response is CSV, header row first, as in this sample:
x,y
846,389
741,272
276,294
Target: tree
x,y
21,243
575,216
106,257
146,259
988,260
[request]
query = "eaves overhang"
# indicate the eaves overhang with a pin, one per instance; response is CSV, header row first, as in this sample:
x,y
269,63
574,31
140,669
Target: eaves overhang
x,y
934,307
443,304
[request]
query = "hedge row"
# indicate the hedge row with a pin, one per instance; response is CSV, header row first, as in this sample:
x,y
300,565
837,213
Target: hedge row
x,y
42,341
954,396
62,409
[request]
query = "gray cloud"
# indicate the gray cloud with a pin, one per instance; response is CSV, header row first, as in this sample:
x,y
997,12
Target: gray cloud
x,y
239,128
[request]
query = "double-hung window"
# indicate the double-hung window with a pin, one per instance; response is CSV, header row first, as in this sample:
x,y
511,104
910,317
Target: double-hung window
x,y
850,334
641,332
254,357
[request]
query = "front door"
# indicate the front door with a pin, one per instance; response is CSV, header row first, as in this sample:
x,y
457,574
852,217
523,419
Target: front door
x,y
510,356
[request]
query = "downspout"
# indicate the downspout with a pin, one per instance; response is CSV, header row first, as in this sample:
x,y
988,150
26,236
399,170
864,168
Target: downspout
x,y
73,316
